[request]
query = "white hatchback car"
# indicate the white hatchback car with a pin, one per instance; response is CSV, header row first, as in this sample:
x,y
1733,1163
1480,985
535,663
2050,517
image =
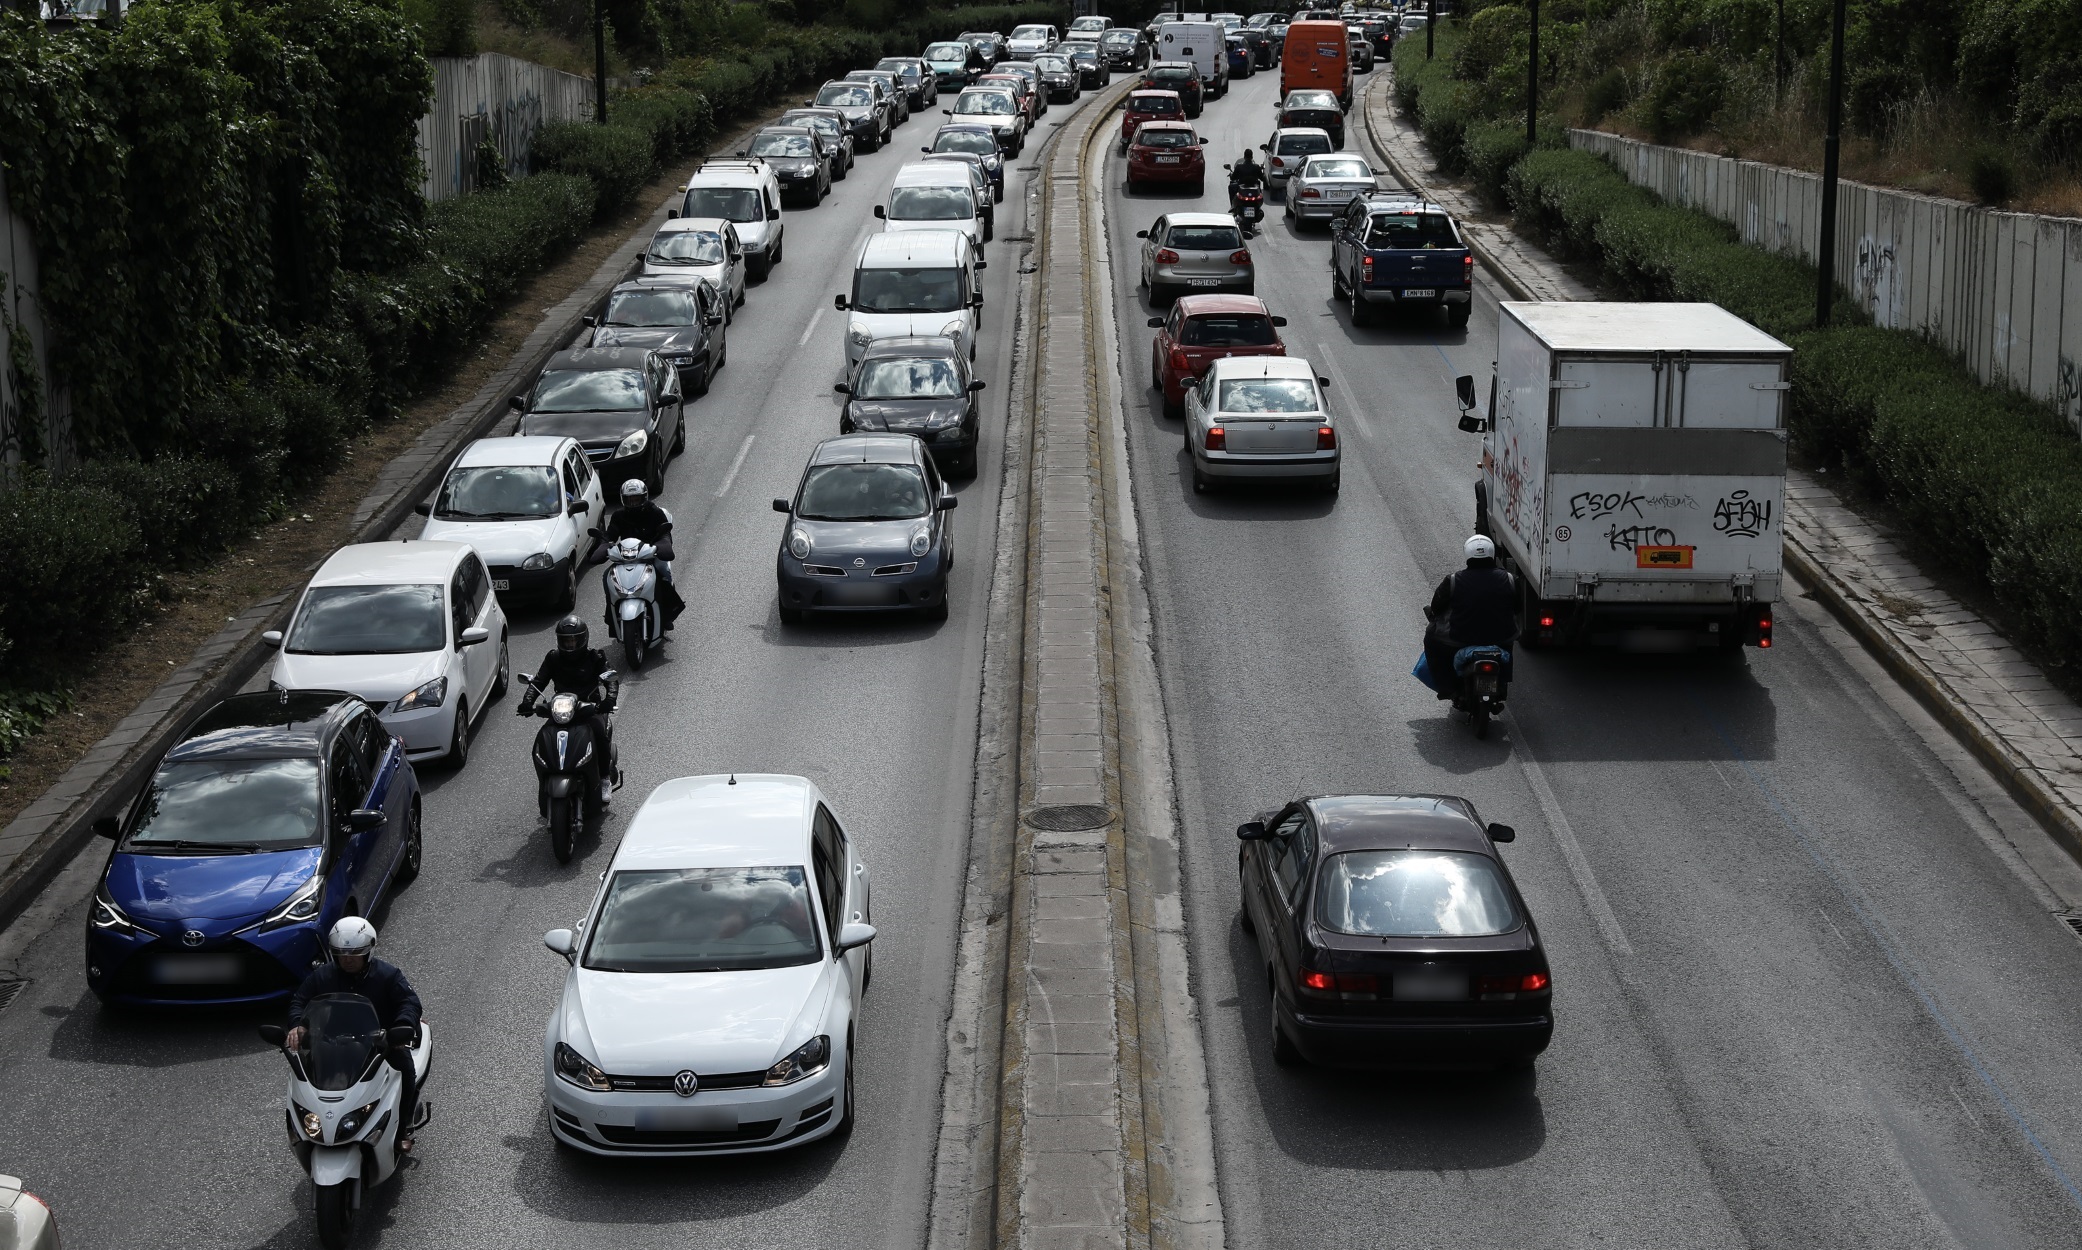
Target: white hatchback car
x,y
525,504
412,627
714,981
1262,418
686,248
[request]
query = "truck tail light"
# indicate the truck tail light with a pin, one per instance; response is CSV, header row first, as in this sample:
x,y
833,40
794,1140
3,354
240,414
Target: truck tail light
x,y
1467,269
1546,621
1165,256
1760,628
1326,438
1241,256
1366,270
1217,439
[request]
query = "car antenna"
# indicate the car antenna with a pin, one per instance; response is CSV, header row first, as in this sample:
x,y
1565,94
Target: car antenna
x,y
733,778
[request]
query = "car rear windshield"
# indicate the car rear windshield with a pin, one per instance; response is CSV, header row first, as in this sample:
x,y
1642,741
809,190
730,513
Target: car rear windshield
x,y
782,145
234,804
503,492
1302,145
652,308
729,203
688,247
1228,330
965,141
369,620
1268,395
1204,238
931,204
863,492
1337,169
1312,100
1148,138
908,379
704,920
1174,73
908,290
1414,894
589,390
1412,230
948,52
841,95
1156,106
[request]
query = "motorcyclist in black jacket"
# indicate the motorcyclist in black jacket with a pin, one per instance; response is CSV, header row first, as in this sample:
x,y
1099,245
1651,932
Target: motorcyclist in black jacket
x,y
1246,172
1474,607
642,519
575,668
354,969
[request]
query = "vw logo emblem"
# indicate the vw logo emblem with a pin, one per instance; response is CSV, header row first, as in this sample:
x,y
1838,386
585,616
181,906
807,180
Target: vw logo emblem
x,y
192,937
858,562
685,1084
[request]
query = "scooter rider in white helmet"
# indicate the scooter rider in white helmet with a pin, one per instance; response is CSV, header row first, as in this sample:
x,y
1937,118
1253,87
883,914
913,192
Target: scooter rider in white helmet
x,y
354,969
1474,607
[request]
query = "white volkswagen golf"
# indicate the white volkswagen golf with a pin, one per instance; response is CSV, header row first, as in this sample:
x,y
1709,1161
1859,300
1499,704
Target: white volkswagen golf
x,y
710,1004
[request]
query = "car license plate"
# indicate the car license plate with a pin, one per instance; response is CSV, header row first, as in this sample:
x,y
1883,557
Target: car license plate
x,y
1203,282
1428,292
1429,985
697,1119
1167,160
196,969
502,583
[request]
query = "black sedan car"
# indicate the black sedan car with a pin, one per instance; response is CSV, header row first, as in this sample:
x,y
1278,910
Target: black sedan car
x,y
799,158
830,124
979,141
918,386
867,531
1392,933
1124,48
1091,67
989,44
621,403
683,322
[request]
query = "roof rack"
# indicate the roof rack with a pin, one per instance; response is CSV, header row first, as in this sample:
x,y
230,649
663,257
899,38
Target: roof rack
x,y
732,162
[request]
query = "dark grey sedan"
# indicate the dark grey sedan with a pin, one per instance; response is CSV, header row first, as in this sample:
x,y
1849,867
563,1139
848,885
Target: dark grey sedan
x,y
831,124
621,403
799,159
918,386
867,531
685,323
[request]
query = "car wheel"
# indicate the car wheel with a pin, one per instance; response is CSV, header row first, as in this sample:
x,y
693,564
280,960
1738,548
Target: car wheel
x,y
505,677
459,737
1362,312
408,863
1284,1052
790,616
569,598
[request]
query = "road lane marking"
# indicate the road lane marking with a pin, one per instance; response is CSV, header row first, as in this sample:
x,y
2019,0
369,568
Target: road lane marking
x,y
1350,410
811,328
1565,838
743,450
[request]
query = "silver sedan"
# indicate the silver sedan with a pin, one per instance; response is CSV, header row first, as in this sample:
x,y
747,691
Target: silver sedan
x,y
1261,418
1326,184
1185,252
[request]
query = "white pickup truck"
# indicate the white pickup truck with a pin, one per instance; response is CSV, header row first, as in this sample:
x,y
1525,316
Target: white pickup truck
x,y
1634,468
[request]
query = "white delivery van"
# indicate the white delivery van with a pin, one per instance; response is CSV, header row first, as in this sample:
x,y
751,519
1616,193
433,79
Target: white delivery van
x,y
1634,468
1203,44
934,195
910,283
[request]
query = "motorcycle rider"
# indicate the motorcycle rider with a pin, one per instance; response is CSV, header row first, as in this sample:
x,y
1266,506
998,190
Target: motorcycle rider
x,y
575,668
1245,174
642,519
354,969
1474,607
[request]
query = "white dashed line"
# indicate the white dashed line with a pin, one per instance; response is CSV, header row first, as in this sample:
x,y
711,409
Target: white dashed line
x,y
744,450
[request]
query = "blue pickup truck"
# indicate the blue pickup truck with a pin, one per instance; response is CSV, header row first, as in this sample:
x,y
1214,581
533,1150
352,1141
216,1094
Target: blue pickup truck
x,y
1391,248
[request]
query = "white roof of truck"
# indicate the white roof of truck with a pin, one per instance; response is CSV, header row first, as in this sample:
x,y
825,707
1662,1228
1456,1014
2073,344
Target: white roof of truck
x,y
1598,326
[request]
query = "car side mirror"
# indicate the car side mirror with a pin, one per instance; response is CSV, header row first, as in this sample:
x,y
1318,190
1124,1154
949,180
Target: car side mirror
x,y
1142,234
977,385
839,302
562,941
580,507
1279,321
947,112
1472,424
1251,830
107,826
272,638
881,213
1502,833
853,935
672,214
948,503
423,508
782,505
516,403
1322,381
842,388
594,532
740,151
715,319
589,321
472,636
366,820
1464,387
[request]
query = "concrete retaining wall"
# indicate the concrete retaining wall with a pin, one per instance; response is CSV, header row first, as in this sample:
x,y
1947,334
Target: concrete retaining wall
x,y
497,97
2002,291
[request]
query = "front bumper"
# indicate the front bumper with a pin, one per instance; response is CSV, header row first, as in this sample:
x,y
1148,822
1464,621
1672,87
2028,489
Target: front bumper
x,y
911,582
1241,466
613,472
148,968
1349,1042
662,1124
425,731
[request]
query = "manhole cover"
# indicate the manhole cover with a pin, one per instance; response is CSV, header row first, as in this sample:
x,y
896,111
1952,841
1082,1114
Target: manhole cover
x,y
1070,817
10,990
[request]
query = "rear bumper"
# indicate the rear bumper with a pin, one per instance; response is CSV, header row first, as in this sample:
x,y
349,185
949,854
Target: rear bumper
x,y
1393,295
1312,210
1239,279
1239,466
1168,173
1344,1042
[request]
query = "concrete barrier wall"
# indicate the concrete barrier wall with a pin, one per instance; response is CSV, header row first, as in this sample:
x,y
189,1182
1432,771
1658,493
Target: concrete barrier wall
x,y
2001,291
494,96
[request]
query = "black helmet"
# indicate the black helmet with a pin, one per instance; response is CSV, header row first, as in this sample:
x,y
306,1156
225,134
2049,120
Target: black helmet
x,y
635,493
571,634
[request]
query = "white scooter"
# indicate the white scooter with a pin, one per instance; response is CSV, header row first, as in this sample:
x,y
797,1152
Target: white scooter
x,y
342,1111
631,583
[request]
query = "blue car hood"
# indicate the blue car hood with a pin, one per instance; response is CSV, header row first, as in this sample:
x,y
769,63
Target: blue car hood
x,y
208,887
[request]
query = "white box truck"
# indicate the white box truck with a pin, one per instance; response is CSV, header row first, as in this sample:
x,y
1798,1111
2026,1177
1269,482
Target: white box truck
x,y
1634,468
1201,44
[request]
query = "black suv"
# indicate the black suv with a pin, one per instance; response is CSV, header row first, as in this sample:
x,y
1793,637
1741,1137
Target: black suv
x,y
621,403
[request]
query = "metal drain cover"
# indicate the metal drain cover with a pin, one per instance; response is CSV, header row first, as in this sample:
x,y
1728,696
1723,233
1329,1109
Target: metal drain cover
x,y
1070,817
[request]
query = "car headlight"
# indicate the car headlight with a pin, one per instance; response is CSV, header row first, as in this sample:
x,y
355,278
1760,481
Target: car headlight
x,y
920,541
308,1121
956,330
941,420
579,1070
633,445
859,335
430,695
300,907
351,1127
799,545
809,1059
684,358
106,916
538,562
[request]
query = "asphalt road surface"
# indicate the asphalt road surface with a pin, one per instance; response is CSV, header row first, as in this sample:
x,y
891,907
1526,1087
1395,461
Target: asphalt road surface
x,y
1808,988
167,1130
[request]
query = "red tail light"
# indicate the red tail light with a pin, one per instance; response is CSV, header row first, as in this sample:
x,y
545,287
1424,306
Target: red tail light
x,y
1314,980
1165,256
1467,269
1311,194
1217,439
1486,666
1546,622
1354,983
1526,983
1180,361
1241,256
1326,438
1366,270
1764,628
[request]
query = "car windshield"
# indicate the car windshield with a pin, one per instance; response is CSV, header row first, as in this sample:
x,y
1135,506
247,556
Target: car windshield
x,y
931,204
948,52
688,247
1414,894
1312,100
1413,230
965,141
1268,395
652,308
1228,330
1204,238
1150,137
1342,168
704,920
863,492
1118,38
908,290
842,95
369,620
1303,145
342,1037
234,804
782,145
729,203
499,492
589,390
992,103
930,378
1156,106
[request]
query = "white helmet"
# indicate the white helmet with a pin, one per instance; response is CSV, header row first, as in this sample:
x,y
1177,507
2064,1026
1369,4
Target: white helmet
x,y
1478,548
351,936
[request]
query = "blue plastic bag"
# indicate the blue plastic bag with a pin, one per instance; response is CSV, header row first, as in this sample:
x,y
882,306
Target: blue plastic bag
x,y
1422,671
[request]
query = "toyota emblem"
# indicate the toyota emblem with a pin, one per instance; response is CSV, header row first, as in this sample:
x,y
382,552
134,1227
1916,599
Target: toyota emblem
x,y
685,1084
192,937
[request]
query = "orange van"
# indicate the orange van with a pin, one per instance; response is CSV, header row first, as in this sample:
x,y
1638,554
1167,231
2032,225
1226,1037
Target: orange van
x,y
1316,59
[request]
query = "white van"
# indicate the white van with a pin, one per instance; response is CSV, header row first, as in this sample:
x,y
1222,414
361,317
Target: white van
x,y
1026,41
1203,44
746,194
914,282
934,195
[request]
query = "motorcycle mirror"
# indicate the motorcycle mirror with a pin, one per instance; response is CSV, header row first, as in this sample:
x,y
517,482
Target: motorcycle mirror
x,y
1228,167
1251,830
1464,387
782,505
364,819
274,1035
560,941
593,532
272,637
853,934
1502,833
525,679
609,674
107,826
472,636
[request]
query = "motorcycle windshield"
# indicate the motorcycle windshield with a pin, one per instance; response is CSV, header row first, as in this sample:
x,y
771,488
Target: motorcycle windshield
x,y
342,1036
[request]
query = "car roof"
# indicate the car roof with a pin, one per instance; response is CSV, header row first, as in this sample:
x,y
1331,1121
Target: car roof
x,y
413,562
912,345
589,359
1197,305
930,174
904,247
1151,94
1439,822
1281,132
520,449
1201,219
1164,123
1264,367
868,449
721,821
266,724
783,128
684,225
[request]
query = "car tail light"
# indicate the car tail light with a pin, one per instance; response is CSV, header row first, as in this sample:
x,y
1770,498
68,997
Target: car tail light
x,y
1180,361
1366,270
1467,269
1165,256
1522,983
1311,194
1217,439
1241,256
1326,438
1343,984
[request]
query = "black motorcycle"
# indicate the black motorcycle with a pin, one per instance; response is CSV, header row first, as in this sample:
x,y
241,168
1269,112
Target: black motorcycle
x,y
569,766
1247,204
1481,681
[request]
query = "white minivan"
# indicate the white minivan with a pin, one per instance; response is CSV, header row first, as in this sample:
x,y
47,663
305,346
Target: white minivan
x,y
934,195
1029,40
913,282
1201,44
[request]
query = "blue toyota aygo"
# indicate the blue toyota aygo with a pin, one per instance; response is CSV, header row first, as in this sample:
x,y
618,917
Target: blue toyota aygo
x,y
276,814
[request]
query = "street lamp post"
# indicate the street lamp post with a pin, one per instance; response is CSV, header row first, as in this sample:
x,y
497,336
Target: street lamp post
x,y
1825,259
600,61
1431,22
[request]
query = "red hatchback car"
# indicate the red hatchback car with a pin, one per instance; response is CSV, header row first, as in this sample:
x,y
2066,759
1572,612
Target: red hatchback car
x,y
1149,106
1166,152
1202,329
